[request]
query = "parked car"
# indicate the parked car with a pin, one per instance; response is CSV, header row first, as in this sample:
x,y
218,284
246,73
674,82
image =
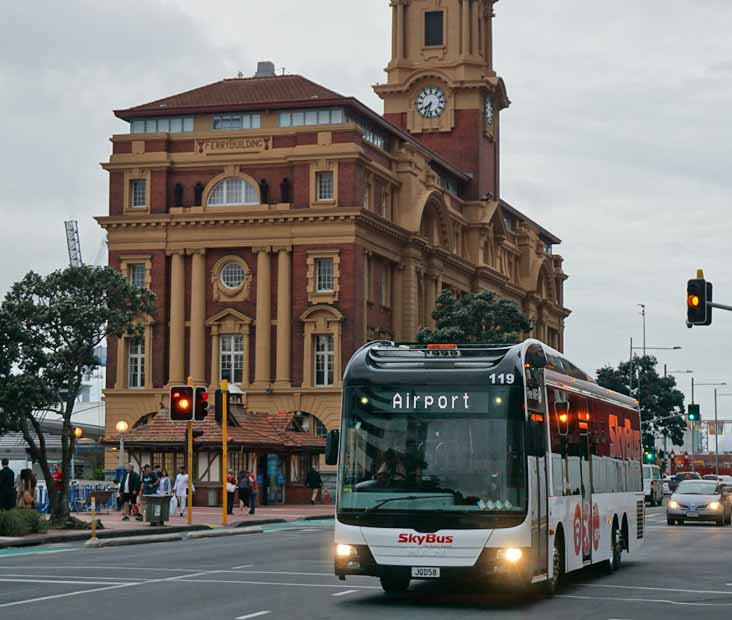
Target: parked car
x,y
667,485
682,475
652,485
699,500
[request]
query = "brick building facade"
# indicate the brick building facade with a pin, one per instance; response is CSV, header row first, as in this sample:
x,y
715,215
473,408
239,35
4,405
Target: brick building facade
x,y
282,225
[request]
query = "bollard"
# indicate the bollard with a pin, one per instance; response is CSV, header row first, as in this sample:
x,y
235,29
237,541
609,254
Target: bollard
x,y
94,518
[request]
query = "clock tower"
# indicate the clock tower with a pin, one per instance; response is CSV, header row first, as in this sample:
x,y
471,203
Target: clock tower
x,y
442,87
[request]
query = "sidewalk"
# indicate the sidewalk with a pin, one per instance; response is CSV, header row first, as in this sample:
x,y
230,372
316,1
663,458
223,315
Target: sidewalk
x,y
203,518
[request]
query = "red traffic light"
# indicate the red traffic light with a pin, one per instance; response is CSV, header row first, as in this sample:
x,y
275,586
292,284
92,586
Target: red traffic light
x,y
201,408
181,403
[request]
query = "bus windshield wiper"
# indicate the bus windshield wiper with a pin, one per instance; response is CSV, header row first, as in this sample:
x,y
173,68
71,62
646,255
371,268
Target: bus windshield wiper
x,y
379,504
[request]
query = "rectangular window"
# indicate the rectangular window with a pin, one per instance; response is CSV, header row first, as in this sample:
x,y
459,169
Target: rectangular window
x,y
232,358
151,125
164,124
324,361
176,125
172,124
137,126
137,275
434,25
324,117
298,119
324,181
285,119
236,121
323,275
311,117
330,116
138,194
136,363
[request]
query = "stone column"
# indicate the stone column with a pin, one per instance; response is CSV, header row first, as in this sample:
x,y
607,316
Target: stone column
x,y
263,342
397,301
400,31
410,297
176,361
465,32
198,317
120,380
216,355
284,317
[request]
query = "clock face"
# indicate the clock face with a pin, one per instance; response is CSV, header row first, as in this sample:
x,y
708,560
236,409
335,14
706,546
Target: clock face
x,y
431,102
489,112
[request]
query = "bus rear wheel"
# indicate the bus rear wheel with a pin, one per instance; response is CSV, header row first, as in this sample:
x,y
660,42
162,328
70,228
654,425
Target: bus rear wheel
x,y
394,584
616,550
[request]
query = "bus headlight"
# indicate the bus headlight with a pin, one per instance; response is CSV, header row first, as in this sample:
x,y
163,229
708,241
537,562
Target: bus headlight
x,y
512,554
345,551
714,506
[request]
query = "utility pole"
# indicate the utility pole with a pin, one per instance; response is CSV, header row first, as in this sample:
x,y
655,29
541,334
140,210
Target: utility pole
x,y
693,427
189,432
643,314
716,436
225,447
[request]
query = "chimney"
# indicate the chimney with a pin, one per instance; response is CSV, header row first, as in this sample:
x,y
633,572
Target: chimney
x,y
265,68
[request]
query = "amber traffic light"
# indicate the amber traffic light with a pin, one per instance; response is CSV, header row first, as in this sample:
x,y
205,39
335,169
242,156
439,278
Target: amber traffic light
x,y
181,403
698,297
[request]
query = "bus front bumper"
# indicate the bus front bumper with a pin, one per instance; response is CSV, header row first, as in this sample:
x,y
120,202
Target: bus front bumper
x,y
490,565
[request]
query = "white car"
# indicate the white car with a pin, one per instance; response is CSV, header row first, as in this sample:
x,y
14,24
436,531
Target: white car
x,y
666,485
652,485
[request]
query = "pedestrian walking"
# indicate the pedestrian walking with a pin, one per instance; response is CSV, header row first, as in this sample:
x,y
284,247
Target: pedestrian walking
x,y
230,492
129,487
254,487
180,488
314,482
27,489
7,486
244,490
150,483
164,485
58,476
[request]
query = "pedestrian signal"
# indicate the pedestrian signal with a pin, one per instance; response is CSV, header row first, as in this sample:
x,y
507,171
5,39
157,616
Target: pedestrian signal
x,y
201,407
219,406
181,403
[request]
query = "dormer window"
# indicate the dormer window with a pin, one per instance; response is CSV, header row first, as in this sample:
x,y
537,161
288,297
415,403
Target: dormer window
x,y
236,121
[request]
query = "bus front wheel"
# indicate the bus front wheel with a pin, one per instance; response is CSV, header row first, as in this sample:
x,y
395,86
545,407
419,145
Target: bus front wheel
x,y
553,584
393,584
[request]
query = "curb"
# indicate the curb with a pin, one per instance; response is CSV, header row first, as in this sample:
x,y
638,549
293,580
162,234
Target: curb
x,y
255,522
240,531
83,535
132,540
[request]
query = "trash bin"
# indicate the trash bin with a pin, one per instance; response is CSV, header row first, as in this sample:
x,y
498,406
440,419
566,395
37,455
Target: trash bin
x,y
157,509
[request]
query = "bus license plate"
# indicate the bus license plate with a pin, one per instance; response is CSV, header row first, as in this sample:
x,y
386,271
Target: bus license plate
x,y
425,573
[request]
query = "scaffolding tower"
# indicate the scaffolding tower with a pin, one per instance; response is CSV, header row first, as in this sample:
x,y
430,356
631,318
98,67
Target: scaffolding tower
x,y
72,241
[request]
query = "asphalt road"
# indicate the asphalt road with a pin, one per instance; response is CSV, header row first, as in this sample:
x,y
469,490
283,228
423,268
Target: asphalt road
x,y
682,572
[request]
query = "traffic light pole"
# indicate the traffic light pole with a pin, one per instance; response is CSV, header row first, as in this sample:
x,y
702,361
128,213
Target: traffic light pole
x,y
693,427
225,447
189,431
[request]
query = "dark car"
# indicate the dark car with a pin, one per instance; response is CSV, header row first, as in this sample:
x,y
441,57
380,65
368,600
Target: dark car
x,y
682,475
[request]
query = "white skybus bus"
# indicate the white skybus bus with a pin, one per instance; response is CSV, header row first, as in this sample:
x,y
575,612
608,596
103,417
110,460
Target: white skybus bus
x,y
487,462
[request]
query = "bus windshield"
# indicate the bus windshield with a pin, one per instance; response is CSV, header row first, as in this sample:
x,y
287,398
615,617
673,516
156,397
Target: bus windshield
x,y
433,449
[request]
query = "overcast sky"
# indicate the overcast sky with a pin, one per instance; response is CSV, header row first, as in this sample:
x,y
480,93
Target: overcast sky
x,y
617,140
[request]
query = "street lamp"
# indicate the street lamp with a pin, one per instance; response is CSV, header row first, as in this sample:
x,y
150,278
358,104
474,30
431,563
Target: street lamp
x,y
644,348
122,427
716,436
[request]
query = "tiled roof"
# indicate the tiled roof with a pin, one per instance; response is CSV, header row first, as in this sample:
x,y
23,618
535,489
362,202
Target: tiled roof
x,y
255,429
238,92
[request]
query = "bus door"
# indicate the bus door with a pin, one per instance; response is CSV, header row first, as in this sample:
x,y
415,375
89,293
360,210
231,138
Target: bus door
x,y
538,475
584,433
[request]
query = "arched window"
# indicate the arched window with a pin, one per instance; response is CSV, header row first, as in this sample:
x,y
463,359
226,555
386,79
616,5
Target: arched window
x,y
233,191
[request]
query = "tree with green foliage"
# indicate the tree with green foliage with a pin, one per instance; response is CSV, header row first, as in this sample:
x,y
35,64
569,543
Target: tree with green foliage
x,y
659,399
475,318
49,329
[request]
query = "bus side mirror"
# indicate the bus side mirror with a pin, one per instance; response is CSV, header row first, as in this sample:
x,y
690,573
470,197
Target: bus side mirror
x,y
331,448
535,357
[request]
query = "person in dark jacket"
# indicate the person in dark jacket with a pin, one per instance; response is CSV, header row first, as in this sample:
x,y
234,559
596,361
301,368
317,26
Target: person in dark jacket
x,y
7,487
315,483
129,487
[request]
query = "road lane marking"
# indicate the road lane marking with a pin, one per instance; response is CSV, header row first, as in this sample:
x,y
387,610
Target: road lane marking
x,y
18,553
644,600
254,615
66,594
273,583
344,593
267,572
114,579
685,591
62,581
135,568
244,566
